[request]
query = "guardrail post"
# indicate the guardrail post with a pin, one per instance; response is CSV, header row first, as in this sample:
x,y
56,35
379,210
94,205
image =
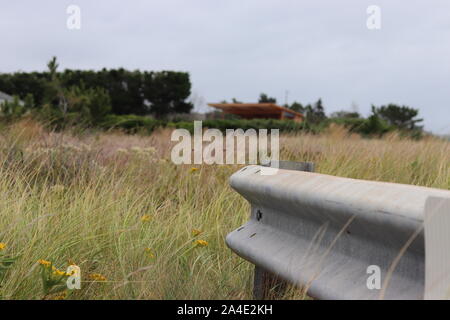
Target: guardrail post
x,y
266,285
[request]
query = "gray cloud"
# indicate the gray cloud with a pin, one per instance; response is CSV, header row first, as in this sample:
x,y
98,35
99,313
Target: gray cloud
x,y
241,48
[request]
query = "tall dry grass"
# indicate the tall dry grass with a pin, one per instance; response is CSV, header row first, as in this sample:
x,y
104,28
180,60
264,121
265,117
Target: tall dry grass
x,y
101,199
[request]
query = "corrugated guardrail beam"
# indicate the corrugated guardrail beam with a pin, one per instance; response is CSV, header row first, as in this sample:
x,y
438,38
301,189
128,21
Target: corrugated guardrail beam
x,y
323,232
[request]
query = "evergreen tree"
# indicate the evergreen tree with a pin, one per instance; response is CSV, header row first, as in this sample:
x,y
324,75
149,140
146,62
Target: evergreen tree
x,y
296,106
402,117
264,98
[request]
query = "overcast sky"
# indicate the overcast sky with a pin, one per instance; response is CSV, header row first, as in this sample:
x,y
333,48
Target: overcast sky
x,y
240,48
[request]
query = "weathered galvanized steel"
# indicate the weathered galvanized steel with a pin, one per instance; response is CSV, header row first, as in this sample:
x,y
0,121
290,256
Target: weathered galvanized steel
x,y
323,233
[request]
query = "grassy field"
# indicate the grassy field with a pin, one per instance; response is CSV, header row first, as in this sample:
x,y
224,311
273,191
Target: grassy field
x,y
141,227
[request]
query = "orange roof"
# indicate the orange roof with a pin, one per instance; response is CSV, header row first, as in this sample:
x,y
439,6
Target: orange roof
x,y
253,108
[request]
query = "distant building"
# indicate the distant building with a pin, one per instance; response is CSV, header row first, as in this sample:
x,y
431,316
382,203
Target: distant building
x,y
258,111
5,97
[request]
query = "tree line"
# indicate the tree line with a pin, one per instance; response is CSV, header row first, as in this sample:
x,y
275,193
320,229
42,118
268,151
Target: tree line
x,y
381,120
87,95
123,98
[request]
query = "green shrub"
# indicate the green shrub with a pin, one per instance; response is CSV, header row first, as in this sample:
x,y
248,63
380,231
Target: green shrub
x,y
131,123
77,105
91,104
222,125
374,125
351,124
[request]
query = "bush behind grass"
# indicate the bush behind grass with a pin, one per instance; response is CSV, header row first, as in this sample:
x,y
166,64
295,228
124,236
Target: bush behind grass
x,y
133,123
370,127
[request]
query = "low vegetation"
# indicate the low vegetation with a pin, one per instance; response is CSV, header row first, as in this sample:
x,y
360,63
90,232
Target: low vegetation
x,y
140,227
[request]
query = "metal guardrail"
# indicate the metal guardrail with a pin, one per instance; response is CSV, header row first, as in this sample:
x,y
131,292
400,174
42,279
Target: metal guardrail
x,y
324,233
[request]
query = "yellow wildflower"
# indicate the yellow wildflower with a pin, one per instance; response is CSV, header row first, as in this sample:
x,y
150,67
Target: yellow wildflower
x,y
193,169
196,232
146,218
61,296
44,263
97,277
2,245
150,253
58,272
201,243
